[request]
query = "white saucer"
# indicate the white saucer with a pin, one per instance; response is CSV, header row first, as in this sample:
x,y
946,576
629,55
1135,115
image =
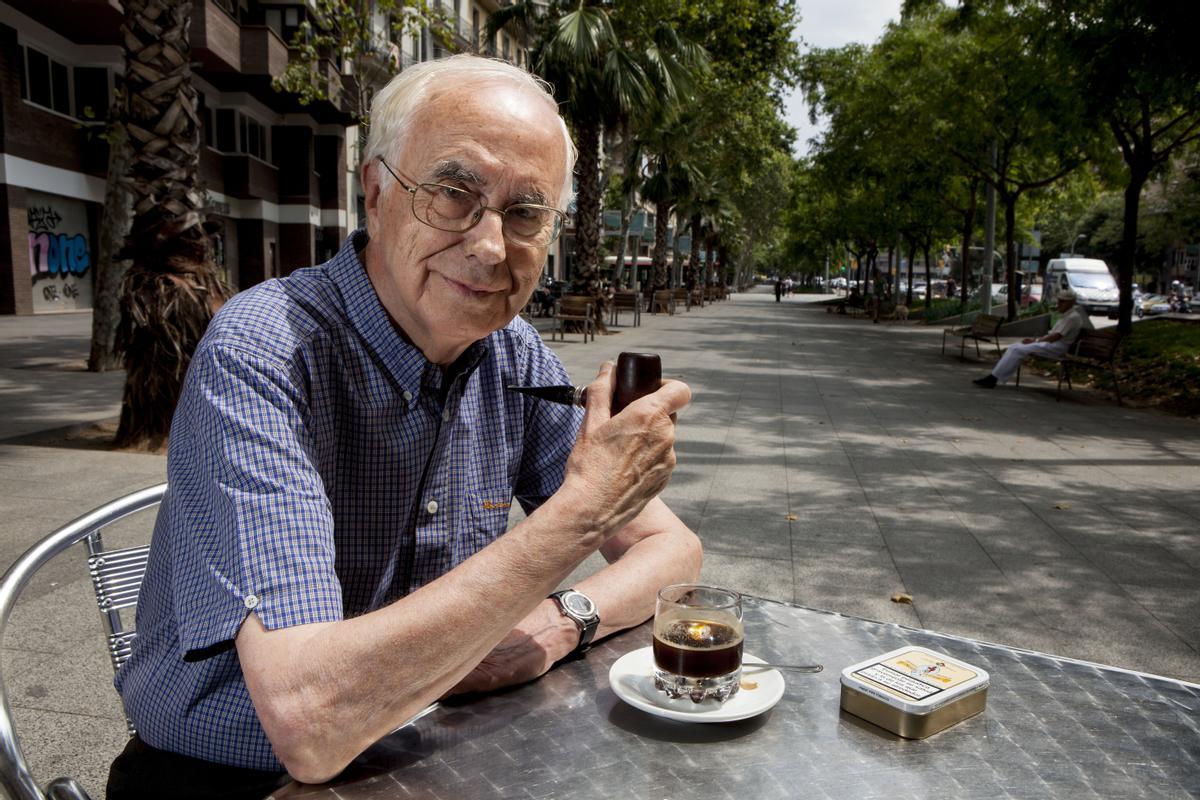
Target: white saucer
x,y
632,678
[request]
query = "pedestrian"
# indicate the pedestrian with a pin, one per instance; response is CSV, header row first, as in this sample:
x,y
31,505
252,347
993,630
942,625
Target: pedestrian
x,y
778,289
1054,344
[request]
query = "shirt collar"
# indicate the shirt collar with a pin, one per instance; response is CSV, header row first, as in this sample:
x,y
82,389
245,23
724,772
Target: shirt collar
x,y
400,358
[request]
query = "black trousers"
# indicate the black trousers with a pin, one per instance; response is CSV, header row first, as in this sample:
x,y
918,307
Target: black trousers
x,y
142,772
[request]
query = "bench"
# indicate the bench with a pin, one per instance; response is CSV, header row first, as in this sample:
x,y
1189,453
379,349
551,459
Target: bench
x,y
573,309
681,295
1097,349
626,301
985,328
698,297
662,300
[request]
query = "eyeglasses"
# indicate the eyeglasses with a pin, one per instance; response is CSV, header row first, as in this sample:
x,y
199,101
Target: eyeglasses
x,y
458,209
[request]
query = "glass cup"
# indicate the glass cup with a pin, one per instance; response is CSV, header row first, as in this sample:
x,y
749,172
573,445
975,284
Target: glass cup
x,y
698,637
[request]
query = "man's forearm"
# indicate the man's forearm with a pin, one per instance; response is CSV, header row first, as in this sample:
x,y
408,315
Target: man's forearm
x,y
624,592
325,692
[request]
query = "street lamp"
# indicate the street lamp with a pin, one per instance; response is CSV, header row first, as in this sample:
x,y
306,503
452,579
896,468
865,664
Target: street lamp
x,y
1082,236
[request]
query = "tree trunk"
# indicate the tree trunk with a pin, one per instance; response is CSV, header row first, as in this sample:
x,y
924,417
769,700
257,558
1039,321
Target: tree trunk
x,y
1010,251
912,253
709,263
1128,252
172,288
587,203
697,222
928,282
967,235
622,243
662,215
110,271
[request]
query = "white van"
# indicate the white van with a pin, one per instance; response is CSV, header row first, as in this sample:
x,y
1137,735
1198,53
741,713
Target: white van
x,y
1089,278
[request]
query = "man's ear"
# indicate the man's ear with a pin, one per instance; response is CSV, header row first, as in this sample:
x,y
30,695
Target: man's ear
x,y
369,174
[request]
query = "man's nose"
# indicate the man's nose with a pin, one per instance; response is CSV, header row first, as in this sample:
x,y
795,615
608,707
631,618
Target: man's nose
x,y
485,240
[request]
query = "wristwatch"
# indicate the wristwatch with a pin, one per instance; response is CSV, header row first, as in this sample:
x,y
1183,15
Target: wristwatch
x,y
579,608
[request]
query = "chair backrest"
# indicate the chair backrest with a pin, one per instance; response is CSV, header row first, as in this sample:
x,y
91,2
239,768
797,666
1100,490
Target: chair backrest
x,y
1098,345
116,577
987,325
576,305
626,299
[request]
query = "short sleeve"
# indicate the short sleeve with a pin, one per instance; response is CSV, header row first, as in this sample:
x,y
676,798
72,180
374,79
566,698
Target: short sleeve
x,y
250,525
550,431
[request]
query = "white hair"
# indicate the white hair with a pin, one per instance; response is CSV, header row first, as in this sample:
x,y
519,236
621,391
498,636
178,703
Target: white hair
x,y
397,103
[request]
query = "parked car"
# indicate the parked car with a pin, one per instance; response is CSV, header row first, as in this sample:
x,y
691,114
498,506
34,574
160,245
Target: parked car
x,y
1032,295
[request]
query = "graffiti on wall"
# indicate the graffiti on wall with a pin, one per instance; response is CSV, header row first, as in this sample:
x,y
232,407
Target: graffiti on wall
x,y
60,256
53,252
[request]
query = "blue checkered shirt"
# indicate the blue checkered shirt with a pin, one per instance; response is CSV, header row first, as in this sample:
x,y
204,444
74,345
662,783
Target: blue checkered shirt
x,y
316,474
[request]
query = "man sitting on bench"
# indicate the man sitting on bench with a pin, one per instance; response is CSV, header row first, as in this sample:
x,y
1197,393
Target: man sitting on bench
x,y
1054,344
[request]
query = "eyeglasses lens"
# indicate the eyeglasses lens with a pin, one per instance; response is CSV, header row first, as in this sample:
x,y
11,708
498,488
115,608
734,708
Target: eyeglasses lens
x,y
450,209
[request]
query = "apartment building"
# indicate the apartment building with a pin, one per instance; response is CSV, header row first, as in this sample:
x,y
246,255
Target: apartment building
x,y
281,177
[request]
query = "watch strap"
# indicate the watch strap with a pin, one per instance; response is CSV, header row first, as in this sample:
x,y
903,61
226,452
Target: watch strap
x,y
587,624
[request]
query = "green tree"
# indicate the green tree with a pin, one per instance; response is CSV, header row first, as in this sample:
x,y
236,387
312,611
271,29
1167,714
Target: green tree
x,y
1141,77
1016,89
362,33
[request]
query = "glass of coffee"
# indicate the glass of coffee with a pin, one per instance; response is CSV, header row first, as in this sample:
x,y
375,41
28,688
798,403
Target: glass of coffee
x,y
698,638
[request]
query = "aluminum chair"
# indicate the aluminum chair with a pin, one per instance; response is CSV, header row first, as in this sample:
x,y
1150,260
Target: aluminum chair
x,y
116,578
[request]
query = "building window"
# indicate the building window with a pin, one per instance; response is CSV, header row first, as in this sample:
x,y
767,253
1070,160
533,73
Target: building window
x,y
38,70
48,83
226,130
238,133
504,53
205,115
91,92
475,27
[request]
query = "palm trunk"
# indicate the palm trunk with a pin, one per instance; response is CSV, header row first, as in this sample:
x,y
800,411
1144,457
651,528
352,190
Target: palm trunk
x,y
709,263
623,242
662,212
110,271
172,288
694,255
587,208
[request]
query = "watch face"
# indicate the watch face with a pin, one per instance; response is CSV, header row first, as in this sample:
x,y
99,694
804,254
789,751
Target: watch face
x,y
579,604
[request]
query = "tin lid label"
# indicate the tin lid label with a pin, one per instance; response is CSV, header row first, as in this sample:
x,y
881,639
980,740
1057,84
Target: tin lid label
x,y
915,674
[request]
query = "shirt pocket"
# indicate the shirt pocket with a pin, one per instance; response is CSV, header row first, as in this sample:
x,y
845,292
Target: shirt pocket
x,y
487,517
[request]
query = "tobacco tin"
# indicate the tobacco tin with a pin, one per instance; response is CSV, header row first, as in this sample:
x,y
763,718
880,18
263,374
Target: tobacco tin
x,y
914,692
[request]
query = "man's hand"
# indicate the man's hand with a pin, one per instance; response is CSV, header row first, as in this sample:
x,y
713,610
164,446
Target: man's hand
x,y
1028,341
528,651
620,463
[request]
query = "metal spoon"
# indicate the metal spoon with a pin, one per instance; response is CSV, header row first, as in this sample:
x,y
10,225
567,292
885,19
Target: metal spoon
x,y
787,667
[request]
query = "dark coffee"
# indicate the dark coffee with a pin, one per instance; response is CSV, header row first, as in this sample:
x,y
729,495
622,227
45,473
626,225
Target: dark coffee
x,y
697,648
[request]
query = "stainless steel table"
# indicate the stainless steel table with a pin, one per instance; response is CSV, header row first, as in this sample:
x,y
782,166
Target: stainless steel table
x,y
1052,728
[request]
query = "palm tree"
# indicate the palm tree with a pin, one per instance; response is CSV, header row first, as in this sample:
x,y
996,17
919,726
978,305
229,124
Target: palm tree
x,y
172,288
610,69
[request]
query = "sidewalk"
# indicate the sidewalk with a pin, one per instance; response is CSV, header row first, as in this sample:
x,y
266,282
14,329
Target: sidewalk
x,y
824,461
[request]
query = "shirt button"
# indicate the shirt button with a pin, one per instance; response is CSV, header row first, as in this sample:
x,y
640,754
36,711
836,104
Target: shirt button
x,y
432,507
407,397
251,601
446,416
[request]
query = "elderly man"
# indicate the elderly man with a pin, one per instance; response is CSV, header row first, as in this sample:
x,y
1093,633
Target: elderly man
x,y
1054,344
331,557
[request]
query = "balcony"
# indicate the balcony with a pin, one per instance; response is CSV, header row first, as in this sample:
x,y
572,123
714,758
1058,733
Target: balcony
x,y
215,37
250,178
263,52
